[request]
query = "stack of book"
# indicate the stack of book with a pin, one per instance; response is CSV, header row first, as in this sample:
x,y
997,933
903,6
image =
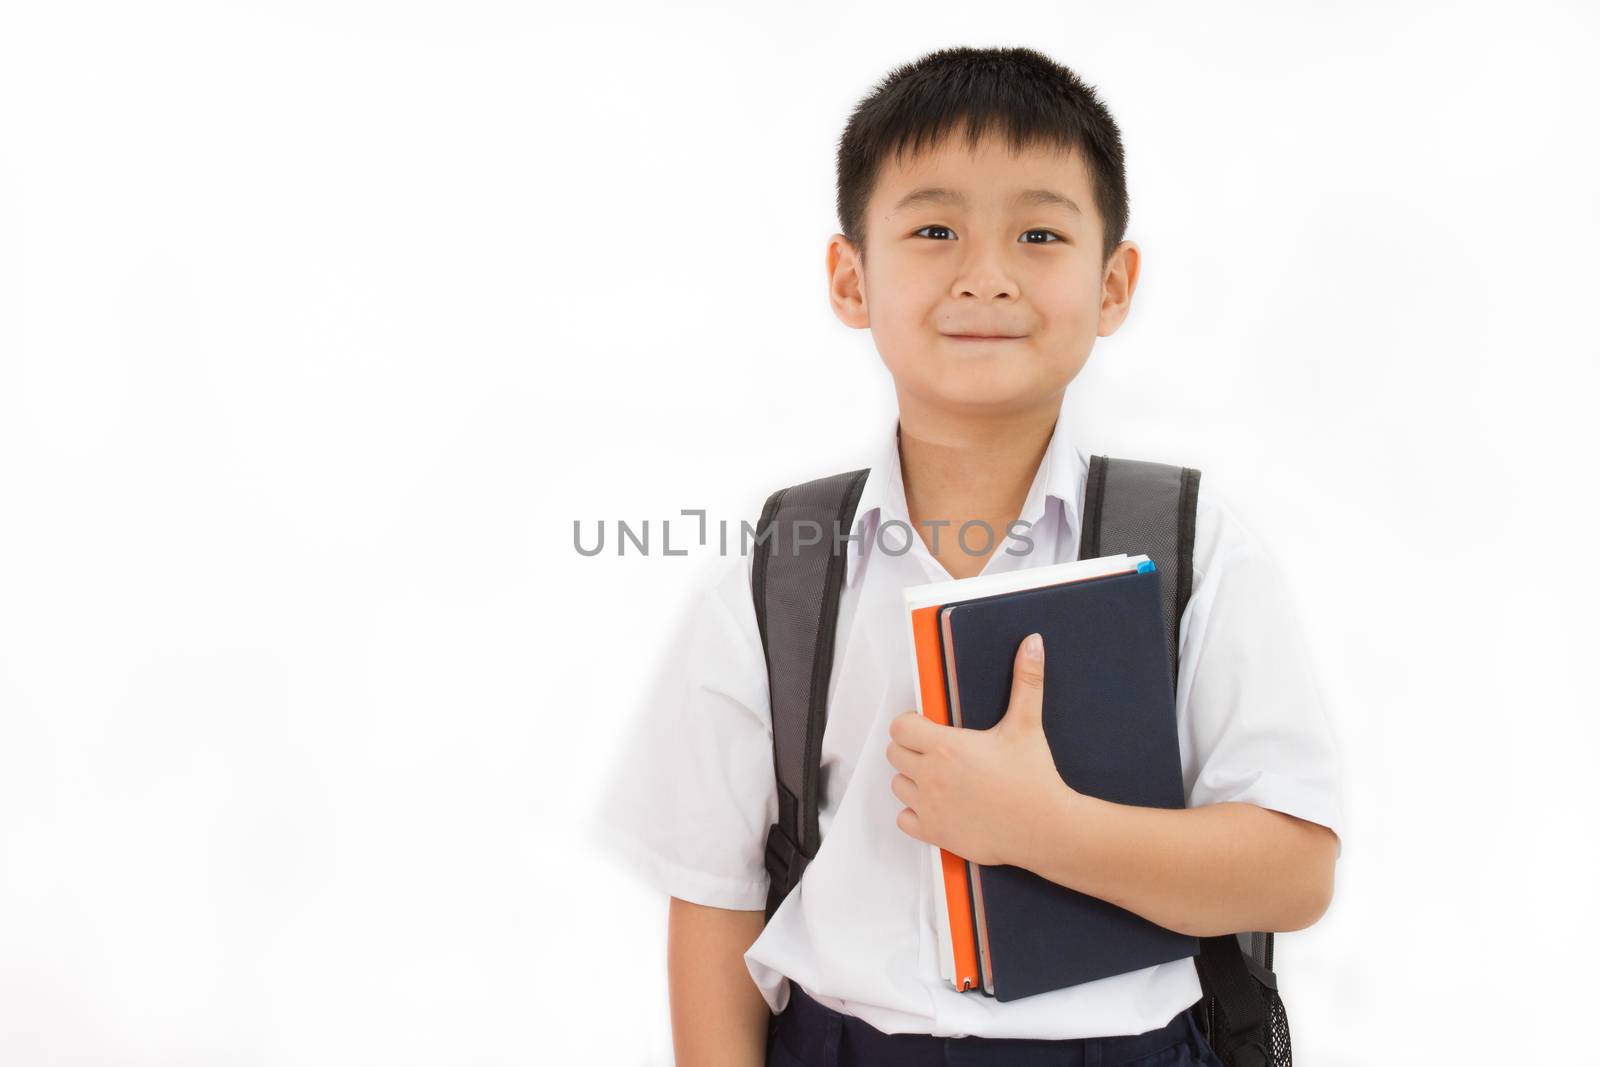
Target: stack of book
x,y
1109,717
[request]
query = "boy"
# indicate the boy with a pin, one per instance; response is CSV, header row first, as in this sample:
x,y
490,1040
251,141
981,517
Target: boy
x,y
983,205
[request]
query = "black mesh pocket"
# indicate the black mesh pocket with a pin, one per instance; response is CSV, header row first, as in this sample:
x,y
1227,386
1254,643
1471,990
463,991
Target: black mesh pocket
x,y
1277,1030
1214,1023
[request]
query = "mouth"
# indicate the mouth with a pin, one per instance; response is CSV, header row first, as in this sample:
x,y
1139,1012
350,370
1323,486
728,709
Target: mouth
x,y
985,337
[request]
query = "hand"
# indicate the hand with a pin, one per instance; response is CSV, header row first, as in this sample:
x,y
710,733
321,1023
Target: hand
x,y
982,794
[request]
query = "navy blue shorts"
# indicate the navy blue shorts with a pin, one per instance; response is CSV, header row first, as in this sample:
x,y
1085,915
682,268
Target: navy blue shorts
x,y
808,1034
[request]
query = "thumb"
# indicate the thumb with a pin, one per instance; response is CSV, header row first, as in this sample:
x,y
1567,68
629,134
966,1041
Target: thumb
x,y
1027,683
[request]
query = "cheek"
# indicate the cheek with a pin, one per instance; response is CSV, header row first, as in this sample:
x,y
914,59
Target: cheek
x,y
901,331
1071,302
902,308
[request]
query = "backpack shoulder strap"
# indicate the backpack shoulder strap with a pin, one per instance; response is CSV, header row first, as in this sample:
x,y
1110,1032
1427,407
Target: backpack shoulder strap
x,y
795,579
1136,506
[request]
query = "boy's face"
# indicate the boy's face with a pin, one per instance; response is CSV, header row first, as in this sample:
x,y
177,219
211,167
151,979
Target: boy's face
x,y
962,243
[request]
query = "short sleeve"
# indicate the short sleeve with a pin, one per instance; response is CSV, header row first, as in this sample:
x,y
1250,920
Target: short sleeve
x,y
1250,714
689,804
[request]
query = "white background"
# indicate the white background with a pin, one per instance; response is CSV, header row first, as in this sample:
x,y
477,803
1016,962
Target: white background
x,y
320,323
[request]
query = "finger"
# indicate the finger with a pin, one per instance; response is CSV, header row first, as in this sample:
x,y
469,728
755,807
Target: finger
x,y
914,731
1027,682
904,759
909,823
905,789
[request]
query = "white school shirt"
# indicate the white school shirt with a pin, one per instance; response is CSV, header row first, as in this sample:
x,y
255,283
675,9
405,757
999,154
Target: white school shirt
x,y
690,805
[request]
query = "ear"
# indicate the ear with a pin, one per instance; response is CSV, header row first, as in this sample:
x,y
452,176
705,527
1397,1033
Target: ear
x,y
1116,287
847,283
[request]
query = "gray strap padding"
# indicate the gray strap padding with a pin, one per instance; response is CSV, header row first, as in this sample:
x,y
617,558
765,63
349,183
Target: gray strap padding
x,y
1135,506
796,577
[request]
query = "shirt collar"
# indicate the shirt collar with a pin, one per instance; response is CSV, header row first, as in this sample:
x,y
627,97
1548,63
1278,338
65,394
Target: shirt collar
x,y
1061,476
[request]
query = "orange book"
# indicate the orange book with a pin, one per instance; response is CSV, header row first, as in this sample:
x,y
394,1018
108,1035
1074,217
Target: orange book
x,y
953,869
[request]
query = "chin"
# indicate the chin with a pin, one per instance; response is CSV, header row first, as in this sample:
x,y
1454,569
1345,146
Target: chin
x,y
988,392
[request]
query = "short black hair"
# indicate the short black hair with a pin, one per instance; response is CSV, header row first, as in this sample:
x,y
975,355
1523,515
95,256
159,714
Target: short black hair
x,y
1018,92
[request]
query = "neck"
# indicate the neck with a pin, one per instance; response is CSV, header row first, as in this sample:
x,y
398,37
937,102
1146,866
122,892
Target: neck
x,y
960,466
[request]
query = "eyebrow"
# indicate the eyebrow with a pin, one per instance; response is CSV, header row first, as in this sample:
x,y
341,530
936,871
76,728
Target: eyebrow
x,y
940,195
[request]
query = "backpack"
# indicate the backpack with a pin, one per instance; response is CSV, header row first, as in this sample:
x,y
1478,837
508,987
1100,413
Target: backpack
x,y
1131,506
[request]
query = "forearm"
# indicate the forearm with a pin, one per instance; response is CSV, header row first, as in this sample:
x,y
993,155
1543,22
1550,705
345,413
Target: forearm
x,y
719,1018
1216,869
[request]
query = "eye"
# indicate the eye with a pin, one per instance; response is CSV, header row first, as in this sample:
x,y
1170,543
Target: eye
x,y
1048,233
933,226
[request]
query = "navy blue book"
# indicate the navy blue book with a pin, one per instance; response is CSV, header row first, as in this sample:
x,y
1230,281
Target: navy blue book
x,y
1110,718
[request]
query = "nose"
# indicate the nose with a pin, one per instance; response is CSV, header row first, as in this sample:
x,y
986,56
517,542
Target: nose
x,y
984,274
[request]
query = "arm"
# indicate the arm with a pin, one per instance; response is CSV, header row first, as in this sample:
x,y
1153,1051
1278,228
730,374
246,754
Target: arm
x,y
1216,869
719,1018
